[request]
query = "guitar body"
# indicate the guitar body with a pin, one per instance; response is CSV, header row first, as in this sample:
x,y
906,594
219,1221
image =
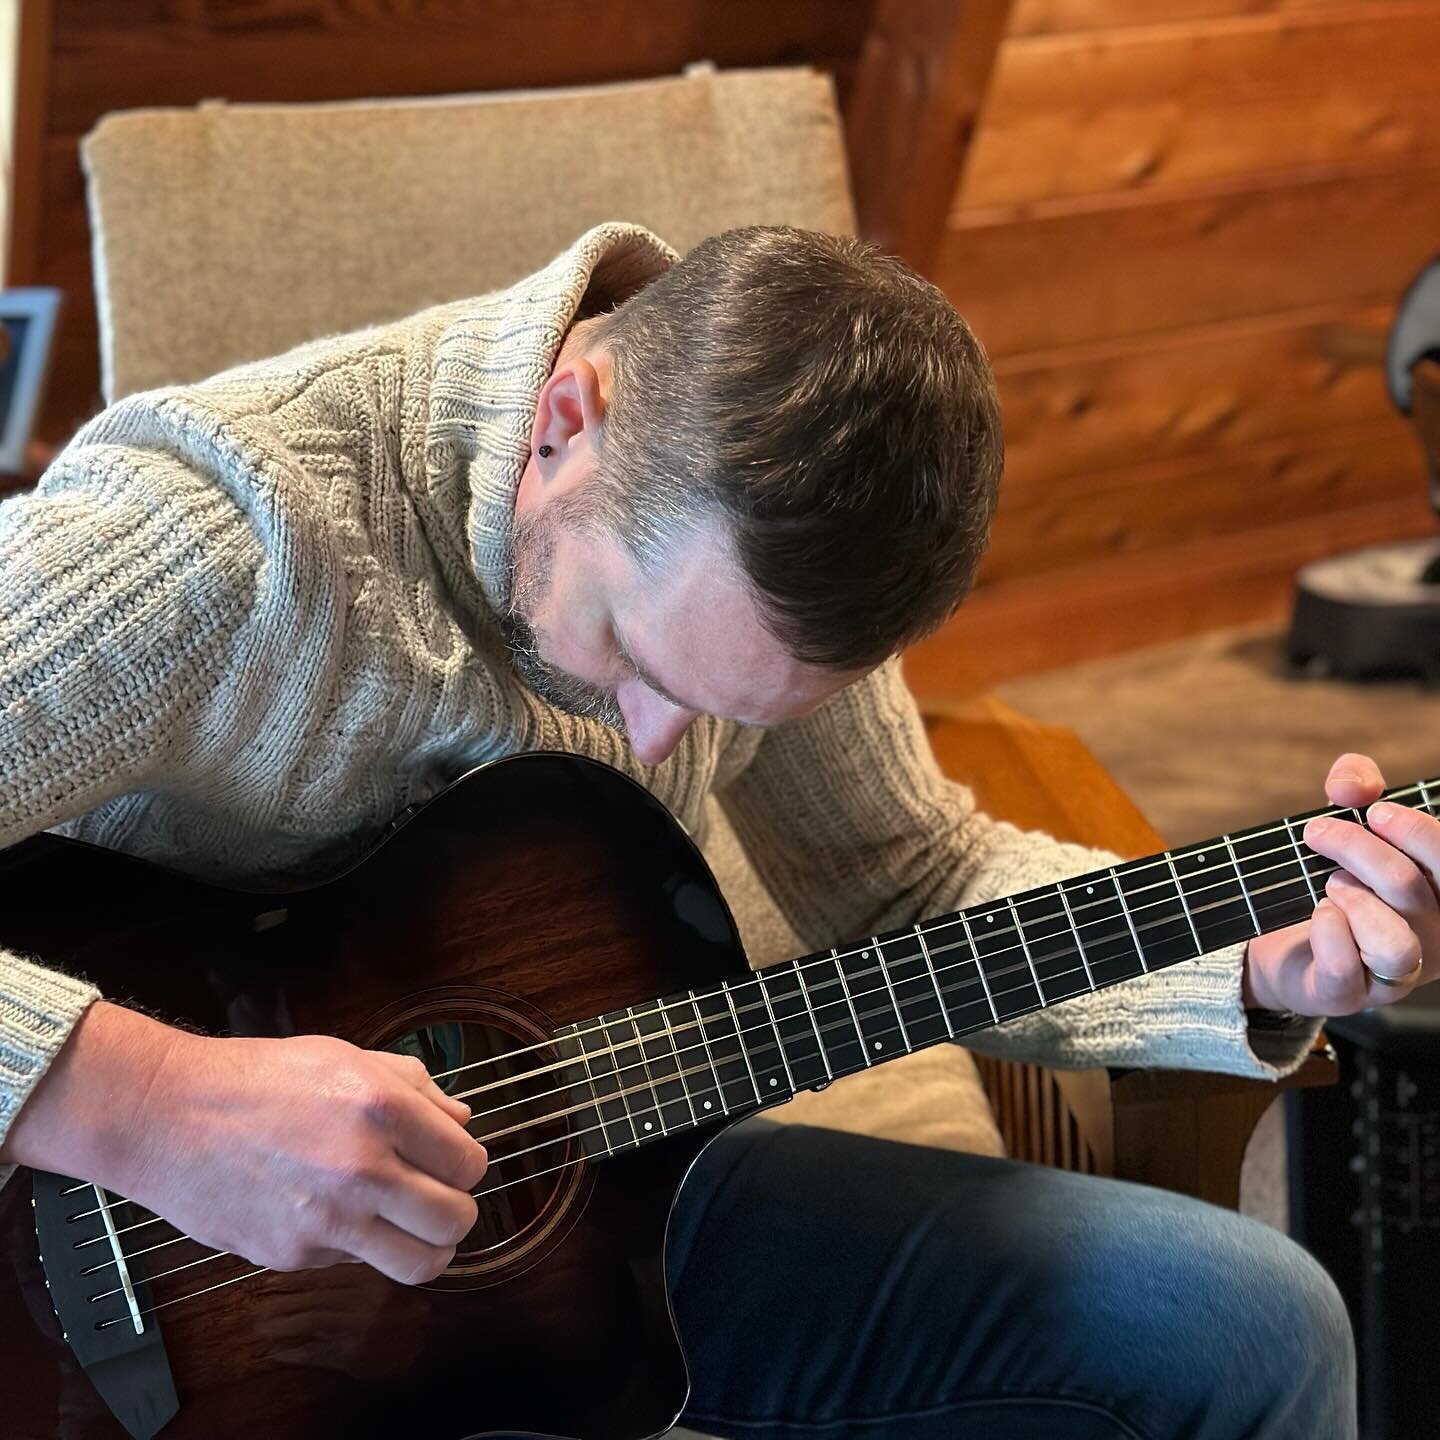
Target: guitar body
x,y
532,894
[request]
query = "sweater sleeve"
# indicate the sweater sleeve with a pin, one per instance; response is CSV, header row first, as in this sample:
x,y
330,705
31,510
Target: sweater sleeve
x,y
849,820
125,578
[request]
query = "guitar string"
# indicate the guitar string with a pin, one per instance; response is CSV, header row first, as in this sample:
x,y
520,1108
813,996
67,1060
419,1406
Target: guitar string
x,y
573,1135
1135,867
698,1021
765,1031
660,1008
489,1190
1286,825
1016,956
1004,953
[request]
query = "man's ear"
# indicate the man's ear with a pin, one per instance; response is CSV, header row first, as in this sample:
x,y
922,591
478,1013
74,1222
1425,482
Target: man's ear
x,y
570,409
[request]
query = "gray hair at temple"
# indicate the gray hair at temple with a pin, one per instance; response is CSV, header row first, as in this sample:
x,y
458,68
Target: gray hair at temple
x,y
832,406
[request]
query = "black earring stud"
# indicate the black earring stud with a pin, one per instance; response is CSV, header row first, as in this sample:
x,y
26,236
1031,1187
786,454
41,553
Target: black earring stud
x,y
546,451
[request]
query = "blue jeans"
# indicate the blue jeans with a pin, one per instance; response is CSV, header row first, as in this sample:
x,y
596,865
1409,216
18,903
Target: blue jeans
x,y
833,1286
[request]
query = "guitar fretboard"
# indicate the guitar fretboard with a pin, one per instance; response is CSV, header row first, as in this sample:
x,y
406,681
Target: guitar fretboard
x,y
687,1059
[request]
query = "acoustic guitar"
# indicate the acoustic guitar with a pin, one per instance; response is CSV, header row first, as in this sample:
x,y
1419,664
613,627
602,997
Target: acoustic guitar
x,y
549,941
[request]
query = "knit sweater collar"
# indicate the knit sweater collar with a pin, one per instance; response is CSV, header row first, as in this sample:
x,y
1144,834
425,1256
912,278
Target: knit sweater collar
x,y
491,364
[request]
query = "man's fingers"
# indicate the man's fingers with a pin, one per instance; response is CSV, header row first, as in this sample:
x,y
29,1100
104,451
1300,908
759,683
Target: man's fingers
x,y
399,1255
434,1143
1354,780
1413,832
413,1072
1337,979
1379,862
1385,943
421,1206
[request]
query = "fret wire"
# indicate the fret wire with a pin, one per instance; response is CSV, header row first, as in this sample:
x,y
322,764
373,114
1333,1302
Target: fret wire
x,y
885,976
814,1024
679,1064
1075,929
1025,947
599,1111
779,1038
649,1078
1425,798
705,1041
934,980
612,1052
740,1039
845,986
625,1090
1280,885
869,1013
877,1013
1184,904
980,969
1240,880
1294,840
1125,910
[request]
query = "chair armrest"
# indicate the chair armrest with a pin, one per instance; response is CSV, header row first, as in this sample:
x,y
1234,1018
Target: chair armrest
x,y
1037,776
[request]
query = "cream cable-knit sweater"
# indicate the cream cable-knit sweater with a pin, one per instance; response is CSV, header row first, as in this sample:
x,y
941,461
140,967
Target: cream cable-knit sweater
x,y
245,622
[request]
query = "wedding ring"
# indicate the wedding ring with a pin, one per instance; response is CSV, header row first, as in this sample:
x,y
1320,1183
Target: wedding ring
x,y
1398,982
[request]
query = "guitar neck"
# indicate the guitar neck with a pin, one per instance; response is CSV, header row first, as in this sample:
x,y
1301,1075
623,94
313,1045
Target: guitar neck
x,y
759,1039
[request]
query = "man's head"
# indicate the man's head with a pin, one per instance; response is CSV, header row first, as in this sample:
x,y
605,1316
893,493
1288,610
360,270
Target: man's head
x,y
771,468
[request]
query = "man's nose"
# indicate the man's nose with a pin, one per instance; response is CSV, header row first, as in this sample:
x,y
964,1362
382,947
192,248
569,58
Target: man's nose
x,y
655,726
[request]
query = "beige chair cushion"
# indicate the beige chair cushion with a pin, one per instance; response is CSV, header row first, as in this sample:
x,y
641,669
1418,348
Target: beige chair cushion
x,y
933,1097
226,233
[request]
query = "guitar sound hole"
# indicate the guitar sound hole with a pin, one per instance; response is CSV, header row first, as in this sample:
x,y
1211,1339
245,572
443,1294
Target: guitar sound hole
x,y
516,1092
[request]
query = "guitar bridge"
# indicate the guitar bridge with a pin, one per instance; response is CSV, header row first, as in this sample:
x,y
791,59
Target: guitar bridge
x,y
101,1297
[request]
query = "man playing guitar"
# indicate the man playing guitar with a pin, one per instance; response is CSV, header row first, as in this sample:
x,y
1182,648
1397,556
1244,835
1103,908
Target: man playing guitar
x,y
680,516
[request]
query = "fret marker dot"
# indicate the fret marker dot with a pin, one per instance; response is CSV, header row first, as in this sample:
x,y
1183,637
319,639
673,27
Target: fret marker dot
x,y
648,1125
1089,889
707,1104
773,1080
989,919
877,1044
864,954
1201,859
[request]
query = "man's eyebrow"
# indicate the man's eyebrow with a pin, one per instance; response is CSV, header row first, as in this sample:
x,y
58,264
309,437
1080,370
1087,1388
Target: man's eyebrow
x,y
645,675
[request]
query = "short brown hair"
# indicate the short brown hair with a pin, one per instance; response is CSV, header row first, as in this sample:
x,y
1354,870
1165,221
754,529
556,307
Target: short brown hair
x,y
833,405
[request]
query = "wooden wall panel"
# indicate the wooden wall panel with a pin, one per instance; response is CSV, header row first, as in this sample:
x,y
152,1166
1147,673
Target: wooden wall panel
x,y
1083,612
1167,104
1075,271
1194,393
176,52
1154,506
1058,17
1181,236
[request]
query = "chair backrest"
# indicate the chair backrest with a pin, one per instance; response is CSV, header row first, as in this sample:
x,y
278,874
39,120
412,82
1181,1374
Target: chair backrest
x,y
224,233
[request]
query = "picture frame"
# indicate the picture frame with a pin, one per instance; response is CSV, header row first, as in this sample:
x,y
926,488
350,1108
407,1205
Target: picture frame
x,y
27,315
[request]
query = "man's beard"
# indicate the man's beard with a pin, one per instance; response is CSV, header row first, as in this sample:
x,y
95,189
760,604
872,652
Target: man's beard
x,y
532,549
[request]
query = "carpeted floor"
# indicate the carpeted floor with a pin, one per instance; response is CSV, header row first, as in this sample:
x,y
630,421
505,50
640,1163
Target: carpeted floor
x,y
1210,735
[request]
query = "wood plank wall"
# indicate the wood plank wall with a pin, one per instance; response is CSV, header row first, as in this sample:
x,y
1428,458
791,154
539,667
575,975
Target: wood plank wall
x,y
1176,219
